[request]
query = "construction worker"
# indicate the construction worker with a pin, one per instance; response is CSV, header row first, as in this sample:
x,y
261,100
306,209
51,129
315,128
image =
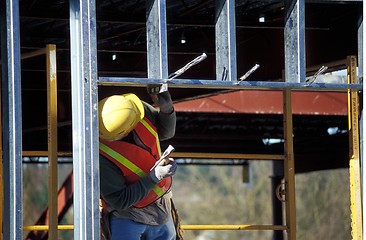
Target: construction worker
x,y
136,194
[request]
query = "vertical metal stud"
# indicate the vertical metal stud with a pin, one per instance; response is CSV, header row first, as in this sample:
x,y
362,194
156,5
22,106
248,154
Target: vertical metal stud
x,y
294,33
85,119
157,53
12,119
225,40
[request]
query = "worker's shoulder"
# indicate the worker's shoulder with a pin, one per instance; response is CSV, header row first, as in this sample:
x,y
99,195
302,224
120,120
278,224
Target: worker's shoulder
x,y
150,110
146,105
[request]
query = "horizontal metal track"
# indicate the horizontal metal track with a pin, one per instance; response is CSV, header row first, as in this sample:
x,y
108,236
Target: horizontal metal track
x,y
216,84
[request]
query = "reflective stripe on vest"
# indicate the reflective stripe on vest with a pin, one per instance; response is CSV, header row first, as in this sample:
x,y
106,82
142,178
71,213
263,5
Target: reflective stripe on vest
x,y
128,164
145,127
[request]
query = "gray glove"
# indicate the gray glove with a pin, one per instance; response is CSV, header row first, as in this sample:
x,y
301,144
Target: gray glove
x,y
161,97
163,170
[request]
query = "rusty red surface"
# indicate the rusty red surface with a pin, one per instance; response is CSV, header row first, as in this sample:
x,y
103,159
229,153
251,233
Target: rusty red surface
x,y
268,102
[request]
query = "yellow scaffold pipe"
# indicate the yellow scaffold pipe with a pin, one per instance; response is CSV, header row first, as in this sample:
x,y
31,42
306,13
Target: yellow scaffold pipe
x,y
233,227
184,227
46,227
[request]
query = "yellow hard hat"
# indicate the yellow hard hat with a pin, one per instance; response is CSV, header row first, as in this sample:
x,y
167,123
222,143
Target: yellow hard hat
x,y
118,115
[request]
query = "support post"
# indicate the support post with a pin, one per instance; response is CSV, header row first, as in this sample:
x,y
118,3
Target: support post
x,y
354,152
157,53
84,92
289,166
225,29
276,203
52,140
294,34
12,120
362,66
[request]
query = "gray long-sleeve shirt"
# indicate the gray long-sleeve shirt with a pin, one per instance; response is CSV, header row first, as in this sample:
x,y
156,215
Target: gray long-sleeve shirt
x,y
119,196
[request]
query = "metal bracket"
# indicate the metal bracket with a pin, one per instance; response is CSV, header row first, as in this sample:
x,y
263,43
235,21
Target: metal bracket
x,y
281,192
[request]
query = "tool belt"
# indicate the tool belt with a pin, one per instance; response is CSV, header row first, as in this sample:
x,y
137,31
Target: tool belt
x,y
176,220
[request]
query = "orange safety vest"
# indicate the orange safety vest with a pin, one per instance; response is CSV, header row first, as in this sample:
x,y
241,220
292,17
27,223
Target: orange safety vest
x,y
136,162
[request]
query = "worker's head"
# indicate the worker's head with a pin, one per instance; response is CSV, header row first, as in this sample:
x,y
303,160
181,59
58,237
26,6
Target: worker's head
x,y
118,115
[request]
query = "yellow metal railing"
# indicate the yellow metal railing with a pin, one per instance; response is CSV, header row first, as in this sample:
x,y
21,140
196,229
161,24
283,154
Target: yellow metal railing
x,y
289,166
354,153
234,227
52,139
46,227
184,227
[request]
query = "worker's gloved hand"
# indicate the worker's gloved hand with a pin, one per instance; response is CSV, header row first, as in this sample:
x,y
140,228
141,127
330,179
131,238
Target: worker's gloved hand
x,y
161,97
156,88
165,169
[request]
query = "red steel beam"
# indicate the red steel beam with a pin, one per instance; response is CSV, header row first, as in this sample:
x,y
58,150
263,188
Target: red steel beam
x,y
268,102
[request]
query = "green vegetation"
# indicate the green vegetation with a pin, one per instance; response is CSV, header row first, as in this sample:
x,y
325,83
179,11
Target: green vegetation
x,y
216,195
323,205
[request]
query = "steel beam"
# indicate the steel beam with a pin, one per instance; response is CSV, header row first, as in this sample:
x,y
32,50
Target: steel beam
x,y
11,120
266,102
84,92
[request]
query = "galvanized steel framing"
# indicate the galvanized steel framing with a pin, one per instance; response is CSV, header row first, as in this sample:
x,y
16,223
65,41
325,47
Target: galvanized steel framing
x,y
11,120
84,98
225,41
84,93
156,39
294,34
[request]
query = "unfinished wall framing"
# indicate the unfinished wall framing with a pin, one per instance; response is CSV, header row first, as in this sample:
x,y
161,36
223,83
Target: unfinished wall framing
x,y
85,84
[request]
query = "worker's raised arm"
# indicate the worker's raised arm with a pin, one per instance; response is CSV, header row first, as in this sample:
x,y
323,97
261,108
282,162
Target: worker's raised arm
x,y
166,119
